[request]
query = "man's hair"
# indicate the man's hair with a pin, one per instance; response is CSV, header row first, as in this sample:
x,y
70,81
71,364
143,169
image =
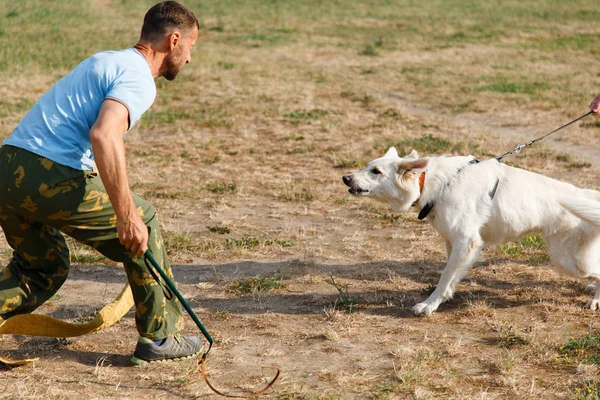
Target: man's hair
x,y
165,18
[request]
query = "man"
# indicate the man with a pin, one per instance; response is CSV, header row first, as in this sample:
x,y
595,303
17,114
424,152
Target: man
x,y
48,185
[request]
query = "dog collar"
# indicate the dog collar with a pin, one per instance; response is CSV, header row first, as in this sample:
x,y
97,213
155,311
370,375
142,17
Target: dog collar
x,y
429,206
421,182
427,209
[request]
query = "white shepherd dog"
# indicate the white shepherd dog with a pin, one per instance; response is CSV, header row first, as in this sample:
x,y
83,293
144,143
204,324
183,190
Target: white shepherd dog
x,y
472,204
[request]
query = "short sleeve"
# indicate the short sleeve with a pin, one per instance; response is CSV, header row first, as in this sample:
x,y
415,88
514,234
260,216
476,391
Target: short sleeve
x,y
135,91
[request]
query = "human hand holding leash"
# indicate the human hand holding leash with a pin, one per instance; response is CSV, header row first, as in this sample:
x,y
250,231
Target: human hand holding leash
x,y
133,234
595,105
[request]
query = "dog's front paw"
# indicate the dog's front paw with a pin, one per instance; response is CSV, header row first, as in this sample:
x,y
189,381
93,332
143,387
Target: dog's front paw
x,y
423,309
594,304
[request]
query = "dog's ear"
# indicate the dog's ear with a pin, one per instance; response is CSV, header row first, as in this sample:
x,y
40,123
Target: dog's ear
x,y
412,156
411,165
392,152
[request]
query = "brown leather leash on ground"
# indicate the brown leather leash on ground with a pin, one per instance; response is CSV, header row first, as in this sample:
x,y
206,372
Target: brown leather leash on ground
x,y
238,396
171,289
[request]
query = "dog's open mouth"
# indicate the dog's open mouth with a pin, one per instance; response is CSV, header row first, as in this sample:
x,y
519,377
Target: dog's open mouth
x,y
357,191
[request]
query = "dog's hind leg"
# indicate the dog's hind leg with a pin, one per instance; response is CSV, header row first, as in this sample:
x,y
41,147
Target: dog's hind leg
x,y
462,257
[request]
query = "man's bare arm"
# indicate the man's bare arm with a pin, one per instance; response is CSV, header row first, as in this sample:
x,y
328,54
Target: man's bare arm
x,y
109,154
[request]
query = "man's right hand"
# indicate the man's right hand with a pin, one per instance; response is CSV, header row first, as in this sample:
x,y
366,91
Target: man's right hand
x,y
133,234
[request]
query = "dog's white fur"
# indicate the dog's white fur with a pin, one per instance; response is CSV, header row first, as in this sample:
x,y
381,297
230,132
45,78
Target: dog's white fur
x,y
467,216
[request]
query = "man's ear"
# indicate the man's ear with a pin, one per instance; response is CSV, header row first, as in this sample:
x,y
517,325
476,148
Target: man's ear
x,y
174,39
411,165
392,152
412,156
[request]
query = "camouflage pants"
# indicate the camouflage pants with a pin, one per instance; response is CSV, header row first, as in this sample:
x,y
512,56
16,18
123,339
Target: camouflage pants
x,y
39,201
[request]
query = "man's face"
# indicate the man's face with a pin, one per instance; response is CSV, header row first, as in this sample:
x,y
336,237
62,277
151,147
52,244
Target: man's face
x,y
182,54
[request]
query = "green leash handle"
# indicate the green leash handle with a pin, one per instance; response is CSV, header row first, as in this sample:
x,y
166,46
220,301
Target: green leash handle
x,y
171,286
184,303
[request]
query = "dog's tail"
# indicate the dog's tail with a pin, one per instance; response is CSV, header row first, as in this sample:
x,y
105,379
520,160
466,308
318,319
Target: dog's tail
x,y
586,209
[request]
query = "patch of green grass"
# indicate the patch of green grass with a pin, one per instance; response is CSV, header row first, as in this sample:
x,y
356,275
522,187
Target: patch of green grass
x,y
257,285
509,339
315,113
83,253
221,188
418,70
563,157
85,319
346,164
262,39
533,241
164,195
364,99
57,297
589,391
479,33
282,243
584,349
513,85
249,242
47,27
226,65
589,124
584,41
243,243
368,50
427,144
201,116
579,165
222,315
152,119
390,218
221,230
301,150
392,113
530,248
211,160
178,241
295,138
429,289
344,300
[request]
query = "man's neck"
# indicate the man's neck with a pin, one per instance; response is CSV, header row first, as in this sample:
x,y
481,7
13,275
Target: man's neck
x,y
154,58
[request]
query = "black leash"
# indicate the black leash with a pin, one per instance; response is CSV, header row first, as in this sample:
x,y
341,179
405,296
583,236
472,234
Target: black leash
x,y
429,206
522,146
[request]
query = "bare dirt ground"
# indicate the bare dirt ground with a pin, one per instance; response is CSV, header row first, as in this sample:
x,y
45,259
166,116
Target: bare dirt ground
x,y
243,157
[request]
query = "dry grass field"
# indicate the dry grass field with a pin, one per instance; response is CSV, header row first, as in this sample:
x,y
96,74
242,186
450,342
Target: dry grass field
x,y
243,157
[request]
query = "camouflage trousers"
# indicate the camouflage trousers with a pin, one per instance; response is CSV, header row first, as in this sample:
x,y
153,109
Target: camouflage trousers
x,y
39,201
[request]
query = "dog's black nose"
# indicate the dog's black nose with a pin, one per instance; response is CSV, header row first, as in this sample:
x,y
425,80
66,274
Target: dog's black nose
x,y
347,179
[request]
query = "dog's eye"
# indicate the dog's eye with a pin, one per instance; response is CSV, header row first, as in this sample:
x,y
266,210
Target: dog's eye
x,y
375,171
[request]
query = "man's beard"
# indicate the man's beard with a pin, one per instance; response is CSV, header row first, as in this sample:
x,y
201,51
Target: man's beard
x,y
172,68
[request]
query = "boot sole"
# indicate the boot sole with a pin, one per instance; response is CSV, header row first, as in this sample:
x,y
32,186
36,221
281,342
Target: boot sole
x,y
139,361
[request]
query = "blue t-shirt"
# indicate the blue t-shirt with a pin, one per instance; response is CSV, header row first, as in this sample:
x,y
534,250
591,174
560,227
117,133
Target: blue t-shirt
x,y
58,125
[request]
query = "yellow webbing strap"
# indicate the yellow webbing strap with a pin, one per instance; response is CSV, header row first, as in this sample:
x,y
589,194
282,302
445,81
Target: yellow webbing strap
x,y
42,325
